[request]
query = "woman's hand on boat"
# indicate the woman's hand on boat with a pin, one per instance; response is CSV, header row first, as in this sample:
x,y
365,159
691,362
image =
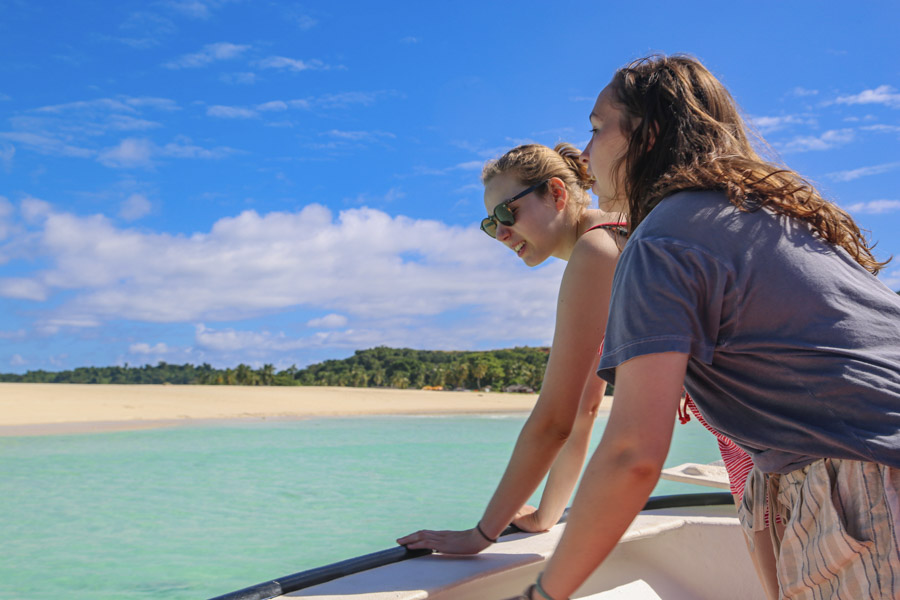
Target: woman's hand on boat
x,y
468,541
527,520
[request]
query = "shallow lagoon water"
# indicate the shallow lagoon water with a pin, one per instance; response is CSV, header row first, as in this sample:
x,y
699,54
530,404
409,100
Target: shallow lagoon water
x,y
194,512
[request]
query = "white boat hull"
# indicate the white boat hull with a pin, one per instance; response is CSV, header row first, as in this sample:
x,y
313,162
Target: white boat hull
x,y
675,553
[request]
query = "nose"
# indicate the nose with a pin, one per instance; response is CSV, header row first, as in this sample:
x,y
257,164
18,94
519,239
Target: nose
x,y
503,232
585,154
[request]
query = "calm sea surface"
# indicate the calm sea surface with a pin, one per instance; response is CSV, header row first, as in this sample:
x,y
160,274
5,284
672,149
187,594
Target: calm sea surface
x,y
191,513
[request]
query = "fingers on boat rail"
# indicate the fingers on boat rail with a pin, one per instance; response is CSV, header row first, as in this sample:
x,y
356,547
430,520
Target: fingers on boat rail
x,y
319,575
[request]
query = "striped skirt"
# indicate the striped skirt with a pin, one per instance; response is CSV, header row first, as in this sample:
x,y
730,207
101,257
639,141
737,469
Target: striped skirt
x,y
841,523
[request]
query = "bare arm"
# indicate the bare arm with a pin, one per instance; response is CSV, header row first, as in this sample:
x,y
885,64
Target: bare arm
x,y
623,470
567,467
580,323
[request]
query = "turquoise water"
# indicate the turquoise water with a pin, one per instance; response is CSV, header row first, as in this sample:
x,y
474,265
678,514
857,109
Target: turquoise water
x,y
190,513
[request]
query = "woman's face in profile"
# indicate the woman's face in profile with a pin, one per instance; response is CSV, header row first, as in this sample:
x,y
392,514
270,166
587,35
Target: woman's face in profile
x,y
531,237
607,145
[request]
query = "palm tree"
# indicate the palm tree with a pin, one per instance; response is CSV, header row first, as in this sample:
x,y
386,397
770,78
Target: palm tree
x,y
479,370
266,374
461,373
245,375
399,380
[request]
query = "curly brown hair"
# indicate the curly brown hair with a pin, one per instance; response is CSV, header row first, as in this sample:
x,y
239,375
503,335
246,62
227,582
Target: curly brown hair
x,y
685,132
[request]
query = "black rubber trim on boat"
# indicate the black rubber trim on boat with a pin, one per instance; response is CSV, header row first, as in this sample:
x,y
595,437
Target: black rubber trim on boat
x,y
319,575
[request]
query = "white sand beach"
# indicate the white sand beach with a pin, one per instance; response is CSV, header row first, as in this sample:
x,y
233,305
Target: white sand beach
x,y
37,408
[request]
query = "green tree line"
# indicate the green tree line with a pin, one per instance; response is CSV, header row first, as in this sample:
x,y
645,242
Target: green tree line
x,y
375,367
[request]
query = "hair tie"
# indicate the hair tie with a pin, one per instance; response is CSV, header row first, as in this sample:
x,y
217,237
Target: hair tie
x,y
483,534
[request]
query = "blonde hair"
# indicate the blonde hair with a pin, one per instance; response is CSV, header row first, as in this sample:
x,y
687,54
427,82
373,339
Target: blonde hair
x,y
534,163
690,135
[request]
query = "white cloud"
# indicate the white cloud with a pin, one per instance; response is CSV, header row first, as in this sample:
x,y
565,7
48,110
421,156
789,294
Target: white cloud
x,y
392,275
766,125
331,321
229,340
143,348
859,119
241,112
472,165
863,172
182,147
346,99
875,207
151,102
243,78
6,213
126,104
274,105
54,325
328,101
145,30
359,136
241,344
828,140
882,128
191,8
134,207
17,361
209,54
73,129
129,123
45,144
22,288
802,92
97,105
883,94
131,152
291,64
304,22
140,153
230,112
7,152
35,210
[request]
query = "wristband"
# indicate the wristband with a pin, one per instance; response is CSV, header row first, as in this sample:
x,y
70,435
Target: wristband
x,y
483,534
540,589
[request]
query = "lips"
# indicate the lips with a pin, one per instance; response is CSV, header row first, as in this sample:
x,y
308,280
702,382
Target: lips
x,y
518,247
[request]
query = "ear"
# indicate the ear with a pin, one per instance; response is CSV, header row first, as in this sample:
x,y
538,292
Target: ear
x,y
653,131
559,192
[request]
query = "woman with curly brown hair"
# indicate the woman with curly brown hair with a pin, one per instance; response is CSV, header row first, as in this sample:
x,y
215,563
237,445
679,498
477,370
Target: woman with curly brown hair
x,y
538,205
743,284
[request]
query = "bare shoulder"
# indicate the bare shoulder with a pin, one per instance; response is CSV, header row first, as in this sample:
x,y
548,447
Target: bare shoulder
x,y
601,246
604,238
590,269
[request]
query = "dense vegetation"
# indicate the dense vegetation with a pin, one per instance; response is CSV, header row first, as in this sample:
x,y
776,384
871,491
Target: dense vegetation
x,y
376,367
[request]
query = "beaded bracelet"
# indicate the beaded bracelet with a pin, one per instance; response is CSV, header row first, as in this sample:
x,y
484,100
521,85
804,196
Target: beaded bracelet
x,y
483,534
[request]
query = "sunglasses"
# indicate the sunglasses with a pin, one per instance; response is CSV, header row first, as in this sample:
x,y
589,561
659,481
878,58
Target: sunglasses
x,y
503,215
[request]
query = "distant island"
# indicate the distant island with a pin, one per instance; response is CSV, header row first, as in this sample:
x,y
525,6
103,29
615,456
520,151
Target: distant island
x,y
516,369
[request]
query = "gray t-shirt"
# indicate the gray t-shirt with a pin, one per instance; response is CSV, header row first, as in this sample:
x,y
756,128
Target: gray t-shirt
x,y
794,348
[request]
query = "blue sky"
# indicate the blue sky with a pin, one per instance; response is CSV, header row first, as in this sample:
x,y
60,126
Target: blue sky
x,y
228,181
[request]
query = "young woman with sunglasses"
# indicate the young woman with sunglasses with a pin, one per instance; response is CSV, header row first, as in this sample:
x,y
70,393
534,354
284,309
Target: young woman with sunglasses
x,y
538,203
743,284
522,202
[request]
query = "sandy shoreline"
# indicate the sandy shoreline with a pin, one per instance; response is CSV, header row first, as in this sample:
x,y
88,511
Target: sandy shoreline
x,y
41,409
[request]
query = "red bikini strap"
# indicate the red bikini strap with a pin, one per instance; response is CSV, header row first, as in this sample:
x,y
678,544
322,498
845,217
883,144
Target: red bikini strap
x,y
610,225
